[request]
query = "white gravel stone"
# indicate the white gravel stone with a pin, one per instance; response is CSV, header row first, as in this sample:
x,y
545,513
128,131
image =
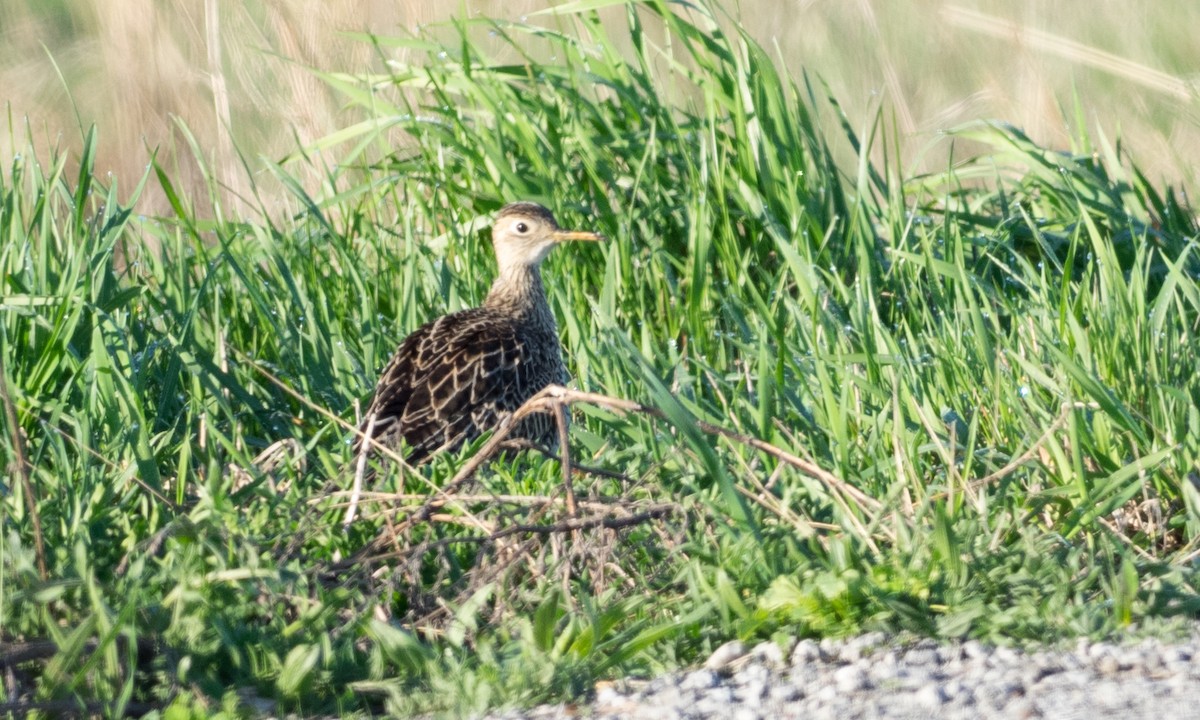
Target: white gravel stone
x,y
953,689
850,678
768,653
785,692
723,657
884,674
806,651
1107,694
656,712
1107,665
931,696
608,694
1021,708
885,680
700,680
921,656
1099,649
826,694
752,674
975,650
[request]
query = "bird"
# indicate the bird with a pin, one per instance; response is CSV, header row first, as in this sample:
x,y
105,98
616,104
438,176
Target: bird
x,y
463,374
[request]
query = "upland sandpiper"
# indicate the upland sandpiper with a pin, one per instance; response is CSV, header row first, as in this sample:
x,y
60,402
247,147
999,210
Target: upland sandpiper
x,y
465,373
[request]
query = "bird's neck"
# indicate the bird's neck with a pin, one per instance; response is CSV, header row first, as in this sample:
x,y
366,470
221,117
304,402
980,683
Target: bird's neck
x,y
518,290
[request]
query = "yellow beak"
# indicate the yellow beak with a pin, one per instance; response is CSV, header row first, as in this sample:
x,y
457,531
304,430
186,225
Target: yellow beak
x,y
565,235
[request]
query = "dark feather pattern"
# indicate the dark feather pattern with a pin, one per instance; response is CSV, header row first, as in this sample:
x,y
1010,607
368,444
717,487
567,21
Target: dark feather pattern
x,y
458,376
463,374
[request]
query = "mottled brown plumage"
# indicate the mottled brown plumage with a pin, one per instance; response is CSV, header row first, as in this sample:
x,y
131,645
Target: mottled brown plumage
x,y
464,373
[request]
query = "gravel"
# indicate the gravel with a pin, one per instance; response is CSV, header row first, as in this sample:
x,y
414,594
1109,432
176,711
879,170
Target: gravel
x,y
873,677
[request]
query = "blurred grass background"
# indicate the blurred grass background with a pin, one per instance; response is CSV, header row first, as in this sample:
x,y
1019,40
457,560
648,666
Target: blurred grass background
x,y
236,73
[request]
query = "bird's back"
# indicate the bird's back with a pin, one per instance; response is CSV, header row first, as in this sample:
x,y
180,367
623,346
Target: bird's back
x,y
459,376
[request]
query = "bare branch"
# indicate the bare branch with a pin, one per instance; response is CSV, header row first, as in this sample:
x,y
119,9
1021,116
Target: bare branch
x,y
360,470
20,468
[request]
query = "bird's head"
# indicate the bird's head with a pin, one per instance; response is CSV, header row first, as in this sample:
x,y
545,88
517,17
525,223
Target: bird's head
x,y
525,233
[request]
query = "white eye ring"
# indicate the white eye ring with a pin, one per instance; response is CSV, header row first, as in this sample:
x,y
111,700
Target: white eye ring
x,y
522,228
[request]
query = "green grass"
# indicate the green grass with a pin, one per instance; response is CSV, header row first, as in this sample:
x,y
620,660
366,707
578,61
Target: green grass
x,y
1000,358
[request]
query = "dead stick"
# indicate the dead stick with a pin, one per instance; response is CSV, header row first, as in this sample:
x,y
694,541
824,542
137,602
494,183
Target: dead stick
x,y
20,466
360,469
809,468
1063,415
564,446
569,525
535,500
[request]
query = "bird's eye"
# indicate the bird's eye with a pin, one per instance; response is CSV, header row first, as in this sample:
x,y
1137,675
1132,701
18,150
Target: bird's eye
x,y
522,227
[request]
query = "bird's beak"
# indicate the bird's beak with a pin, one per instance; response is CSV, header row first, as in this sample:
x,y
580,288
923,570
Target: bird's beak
x,y
565,235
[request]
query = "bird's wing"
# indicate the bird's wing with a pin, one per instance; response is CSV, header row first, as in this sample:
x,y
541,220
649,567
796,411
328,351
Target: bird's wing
x,y
447,382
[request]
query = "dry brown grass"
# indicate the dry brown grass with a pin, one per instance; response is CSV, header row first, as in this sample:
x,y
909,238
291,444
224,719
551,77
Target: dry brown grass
x,y
135,68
